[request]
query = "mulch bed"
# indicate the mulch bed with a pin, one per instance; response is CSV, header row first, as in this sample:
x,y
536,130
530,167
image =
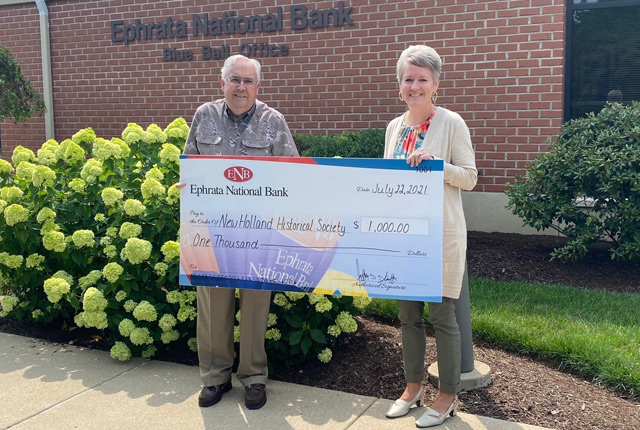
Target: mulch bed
x,y
523,389
513,257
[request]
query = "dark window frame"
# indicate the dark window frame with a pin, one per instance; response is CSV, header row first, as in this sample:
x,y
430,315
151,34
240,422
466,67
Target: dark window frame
x,y
571,7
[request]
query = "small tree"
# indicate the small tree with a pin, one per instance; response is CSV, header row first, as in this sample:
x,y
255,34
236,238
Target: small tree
x,y
18,99
587,186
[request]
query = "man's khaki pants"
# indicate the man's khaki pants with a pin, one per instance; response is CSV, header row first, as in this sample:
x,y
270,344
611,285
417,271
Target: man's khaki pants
x,y
216,317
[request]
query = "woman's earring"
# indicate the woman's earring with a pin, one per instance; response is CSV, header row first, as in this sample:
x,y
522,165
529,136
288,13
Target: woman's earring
x,y
400,96
434,97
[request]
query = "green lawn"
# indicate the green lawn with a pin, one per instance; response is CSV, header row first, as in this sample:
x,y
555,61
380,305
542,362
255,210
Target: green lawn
x,y
595,334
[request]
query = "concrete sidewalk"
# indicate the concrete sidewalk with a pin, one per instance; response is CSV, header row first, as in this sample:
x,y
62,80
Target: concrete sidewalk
x,y
51,386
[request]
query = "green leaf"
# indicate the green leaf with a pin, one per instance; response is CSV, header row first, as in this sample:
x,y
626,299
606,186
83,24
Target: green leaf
x,y
295,337
294,321
305,345
318,336
73,300
21,234
109,289
315,318
105,175
76,258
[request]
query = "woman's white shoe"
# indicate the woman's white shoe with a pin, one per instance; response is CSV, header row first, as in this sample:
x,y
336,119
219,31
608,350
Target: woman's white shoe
x,y
434,418
401,408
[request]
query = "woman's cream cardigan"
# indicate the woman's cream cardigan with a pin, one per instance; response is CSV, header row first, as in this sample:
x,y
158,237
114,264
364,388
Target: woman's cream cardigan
x,y
448,139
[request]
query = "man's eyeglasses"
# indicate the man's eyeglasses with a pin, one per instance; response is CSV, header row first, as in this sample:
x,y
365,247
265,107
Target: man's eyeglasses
x,y
248,82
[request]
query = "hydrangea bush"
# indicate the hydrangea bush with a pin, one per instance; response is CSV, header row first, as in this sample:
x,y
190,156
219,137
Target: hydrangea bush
x,y
89,233
307,325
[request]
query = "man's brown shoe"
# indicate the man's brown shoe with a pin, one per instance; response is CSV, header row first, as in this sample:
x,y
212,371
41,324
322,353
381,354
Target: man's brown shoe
x,y
209,396
255,396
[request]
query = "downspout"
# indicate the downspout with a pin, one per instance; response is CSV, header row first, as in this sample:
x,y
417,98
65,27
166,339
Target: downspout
x,y
47,81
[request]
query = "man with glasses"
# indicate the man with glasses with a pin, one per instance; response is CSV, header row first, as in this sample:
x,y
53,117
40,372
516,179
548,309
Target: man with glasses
x,y
238,124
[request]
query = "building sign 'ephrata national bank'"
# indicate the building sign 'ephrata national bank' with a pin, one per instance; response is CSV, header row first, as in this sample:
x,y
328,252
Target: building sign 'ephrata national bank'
x,y
230,24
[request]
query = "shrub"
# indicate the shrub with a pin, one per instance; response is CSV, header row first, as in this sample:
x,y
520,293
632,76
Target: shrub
x,y
360,144
95,241
81,238
587,186
306,325
18,99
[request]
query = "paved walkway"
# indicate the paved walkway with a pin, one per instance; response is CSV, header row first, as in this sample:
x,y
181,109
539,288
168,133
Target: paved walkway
x,y
51,386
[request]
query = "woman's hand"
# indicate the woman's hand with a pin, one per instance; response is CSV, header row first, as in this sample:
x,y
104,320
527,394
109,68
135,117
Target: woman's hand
x,y
418,156
180,185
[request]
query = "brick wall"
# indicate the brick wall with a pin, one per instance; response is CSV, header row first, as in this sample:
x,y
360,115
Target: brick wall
x,y
19,34
503,69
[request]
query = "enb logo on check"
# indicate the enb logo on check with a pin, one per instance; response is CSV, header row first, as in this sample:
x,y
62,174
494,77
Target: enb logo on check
x,y
238,174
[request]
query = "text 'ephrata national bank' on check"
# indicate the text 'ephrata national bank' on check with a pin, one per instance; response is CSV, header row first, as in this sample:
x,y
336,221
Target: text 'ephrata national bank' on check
x,y
360,227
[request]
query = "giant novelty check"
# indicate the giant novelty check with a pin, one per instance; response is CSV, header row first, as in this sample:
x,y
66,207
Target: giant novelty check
x,y
356,227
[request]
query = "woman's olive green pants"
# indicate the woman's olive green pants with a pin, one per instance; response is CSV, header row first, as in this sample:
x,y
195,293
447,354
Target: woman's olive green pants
x,y
414,341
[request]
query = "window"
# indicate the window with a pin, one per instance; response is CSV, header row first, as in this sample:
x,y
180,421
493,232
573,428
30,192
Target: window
x,y
603,54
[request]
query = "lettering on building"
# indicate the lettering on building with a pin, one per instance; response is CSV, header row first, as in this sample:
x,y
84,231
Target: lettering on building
x,y
296,17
